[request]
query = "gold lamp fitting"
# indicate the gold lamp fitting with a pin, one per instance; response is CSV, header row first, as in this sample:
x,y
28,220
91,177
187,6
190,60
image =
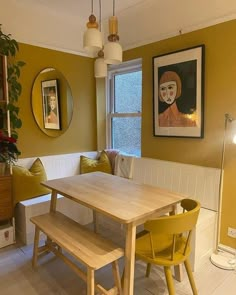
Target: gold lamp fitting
x,y
100,53
92,22
113,29
113,25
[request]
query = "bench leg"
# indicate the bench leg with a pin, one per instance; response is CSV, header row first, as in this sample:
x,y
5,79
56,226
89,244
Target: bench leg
x,y
116,274
90,281
36,243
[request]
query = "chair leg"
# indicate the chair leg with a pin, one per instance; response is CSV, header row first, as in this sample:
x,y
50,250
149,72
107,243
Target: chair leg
x,y
169,280
190,277
36,242
148,269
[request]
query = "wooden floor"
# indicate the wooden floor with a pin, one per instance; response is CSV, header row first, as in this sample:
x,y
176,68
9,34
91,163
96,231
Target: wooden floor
x,y
54,277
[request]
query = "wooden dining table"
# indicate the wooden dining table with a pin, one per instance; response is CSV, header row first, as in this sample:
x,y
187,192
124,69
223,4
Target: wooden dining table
x,y
123,200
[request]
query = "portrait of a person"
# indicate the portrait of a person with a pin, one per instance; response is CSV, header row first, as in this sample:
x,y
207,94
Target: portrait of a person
x,y
51,106
52,116
170,89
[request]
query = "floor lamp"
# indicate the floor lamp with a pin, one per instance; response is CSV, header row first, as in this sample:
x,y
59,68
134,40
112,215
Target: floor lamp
x,y
218,258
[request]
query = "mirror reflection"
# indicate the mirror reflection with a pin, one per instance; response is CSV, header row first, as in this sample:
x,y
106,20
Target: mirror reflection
x,y
52,102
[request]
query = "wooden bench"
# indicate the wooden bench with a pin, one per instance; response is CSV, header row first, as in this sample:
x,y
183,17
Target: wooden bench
x,y
86,246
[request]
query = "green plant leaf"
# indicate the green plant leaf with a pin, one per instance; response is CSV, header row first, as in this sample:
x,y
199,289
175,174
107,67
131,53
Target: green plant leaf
x,y
20,63
9,47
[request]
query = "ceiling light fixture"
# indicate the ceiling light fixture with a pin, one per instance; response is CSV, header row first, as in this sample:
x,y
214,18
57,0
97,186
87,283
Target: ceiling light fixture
x,y
100,67
113,49
92,36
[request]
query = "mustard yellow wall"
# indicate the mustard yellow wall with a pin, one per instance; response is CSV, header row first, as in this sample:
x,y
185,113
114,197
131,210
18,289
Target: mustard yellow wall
x,y
220,98
78,71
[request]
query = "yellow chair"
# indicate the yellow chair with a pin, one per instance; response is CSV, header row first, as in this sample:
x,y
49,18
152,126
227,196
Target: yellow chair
x,y
165,241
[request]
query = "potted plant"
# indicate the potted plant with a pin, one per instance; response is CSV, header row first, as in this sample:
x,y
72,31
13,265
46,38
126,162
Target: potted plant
x,y
8,151
9,47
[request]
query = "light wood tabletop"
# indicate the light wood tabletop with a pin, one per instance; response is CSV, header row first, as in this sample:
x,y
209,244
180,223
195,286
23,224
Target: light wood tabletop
x,y
121,199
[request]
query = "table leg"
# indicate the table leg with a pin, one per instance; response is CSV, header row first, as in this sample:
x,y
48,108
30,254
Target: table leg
x,y
95,222
90,282
53,205
53,202
129,259
36,245
178,272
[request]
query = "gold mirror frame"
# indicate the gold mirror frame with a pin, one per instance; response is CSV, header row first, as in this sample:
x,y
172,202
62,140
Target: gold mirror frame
x,y
65,101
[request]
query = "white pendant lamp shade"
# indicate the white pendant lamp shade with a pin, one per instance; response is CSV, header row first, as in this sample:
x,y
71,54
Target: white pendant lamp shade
x,y
92,40
113,53
113,49
100,68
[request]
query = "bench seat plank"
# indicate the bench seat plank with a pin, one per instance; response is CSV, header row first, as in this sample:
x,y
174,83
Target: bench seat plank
x,y
88,247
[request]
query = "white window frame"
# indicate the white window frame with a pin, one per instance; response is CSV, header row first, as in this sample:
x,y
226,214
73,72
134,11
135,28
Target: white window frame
x,y
125,67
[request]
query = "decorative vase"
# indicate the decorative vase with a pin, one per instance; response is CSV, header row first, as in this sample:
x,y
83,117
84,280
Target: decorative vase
x,y
2,168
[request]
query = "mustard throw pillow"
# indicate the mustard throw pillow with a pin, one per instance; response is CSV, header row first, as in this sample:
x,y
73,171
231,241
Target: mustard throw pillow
x,y
88,165
26,182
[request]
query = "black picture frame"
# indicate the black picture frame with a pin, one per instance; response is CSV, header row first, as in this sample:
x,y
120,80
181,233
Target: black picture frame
x,y
178,93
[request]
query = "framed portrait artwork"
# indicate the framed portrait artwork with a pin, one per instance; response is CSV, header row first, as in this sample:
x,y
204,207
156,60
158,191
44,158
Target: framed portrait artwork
x,y
178,93
51,110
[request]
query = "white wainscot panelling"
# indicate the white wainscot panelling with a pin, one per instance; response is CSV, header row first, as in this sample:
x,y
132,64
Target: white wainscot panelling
x,y
197,182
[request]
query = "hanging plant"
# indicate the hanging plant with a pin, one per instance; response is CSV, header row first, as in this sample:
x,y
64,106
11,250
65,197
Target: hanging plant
x,y
9,47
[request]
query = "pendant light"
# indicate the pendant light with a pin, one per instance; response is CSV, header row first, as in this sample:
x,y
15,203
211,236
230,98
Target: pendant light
x,y
100,67
92,36
113,49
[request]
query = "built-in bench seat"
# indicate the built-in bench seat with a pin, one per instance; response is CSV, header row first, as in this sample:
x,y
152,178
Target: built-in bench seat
x,y
87,247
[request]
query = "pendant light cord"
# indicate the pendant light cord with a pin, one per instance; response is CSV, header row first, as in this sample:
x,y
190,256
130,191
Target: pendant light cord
x,y
100,15
113,7
92,6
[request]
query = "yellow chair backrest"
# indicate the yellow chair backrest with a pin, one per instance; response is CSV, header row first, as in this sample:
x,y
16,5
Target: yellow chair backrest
x,y
167,232
176,224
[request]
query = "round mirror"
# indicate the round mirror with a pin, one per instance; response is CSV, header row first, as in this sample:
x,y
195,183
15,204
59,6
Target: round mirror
x,y
52,102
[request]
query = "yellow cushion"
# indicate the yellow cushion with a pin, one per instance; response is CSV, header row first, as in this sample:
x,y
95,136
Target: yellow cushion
x,y
88,165
26,182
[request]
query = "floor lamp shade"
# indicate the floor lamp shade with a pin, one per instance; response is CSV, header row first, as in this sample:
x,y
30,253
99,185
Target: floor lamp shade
x,y
100,68
113,53
92,40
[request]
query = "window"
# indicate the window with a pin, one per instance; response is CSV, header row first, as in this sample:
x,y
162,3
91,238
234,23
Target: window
x,y
124,107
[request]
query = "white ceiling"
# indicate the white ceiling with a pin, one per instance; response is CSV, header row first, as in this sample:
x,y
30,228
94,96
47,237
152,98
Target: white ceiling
x,y
59,24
